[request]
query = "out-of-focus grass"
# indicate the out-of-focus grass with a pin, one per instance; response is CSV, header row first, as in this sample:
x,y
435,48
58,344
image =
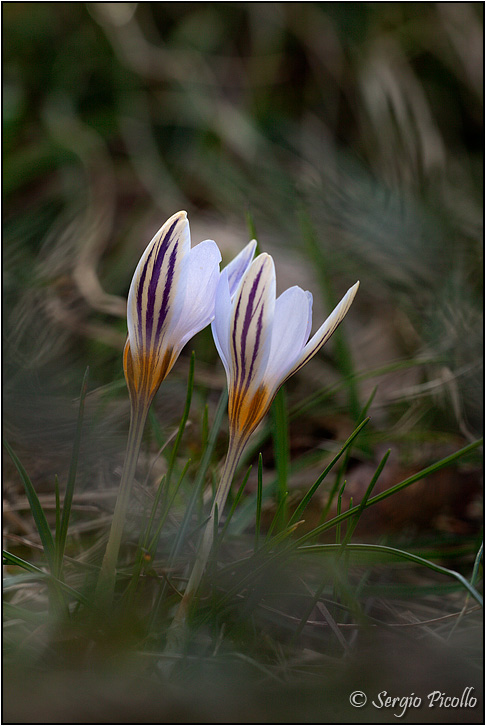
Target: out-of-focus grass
x,y
351,136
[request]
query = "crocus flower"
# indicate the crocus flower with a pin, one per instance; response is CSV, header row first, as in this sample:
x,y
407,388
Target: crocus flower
x,y
171,298
262,341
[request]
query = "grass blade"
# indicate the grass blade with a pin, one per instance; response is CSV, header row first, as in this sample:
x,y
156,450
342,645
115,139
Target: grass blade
x,y
68,494
392,490
343,355
258,515
182,425
199,481
361,506
306,499
281,451
401,554
11,559
235,503
40,520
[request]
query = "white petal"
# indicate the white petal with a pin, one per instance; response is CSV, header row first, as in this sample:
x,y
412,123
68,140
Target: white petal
x,y
325,331
251,324
152,298
239,265
291,327
197,308
221,323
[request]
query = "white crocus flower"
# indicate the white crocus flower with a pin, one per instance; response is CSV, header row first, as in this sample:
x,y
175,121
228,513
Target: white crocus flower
x,y
262,341
171,298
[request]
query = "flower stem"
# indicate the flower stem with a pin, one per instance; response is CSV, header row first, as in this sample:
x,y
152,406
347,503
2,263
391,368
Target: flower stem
x,y
106,582
235,449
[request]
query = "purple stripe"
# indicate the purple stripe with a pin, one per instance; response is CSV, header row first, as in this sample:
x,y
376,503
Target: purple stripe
x,y
164,308
246,324
257,343
141,284
154,280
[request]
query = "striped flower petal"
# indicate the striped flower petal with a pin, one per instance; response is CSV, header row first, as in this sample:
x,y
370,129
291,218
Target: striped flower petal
x,y
201,280
220,326
263,341
250,340
325,331
290,332
239,265
171,298
229,281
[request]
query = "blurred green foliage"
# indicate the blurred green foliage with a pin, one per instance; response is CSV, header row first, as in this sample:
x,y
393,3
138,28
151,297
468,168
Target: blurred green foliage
x,y
351,136
356,125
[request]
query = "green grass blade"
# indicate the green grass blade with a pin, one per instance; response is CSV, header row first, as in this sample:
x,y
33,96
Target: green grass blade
x,y
258,515
392,490
199,481
40,520
58,512
339,503
306,499
235,503
250,224
344,465
68,494
317,398
477,563
155,538
182,425
11,559
401,554
361,506
343,355
281,452
425,472
278,516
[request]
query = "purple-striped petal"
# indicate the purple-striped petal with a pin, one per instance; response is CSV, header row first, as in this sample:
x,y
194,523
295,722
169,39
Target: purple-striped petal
x,y
250,339
290,332
239,265
154,285
325,331
220,326
197,309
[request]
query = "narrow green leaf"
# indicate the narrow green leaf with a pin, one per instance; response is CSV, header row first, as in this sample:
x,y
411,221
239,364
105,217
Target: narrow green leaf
x,y
339,502
343,356
234,504
361,506
182,425
11,559
281,452
306,499
477,563
392,490
199,481
278,516
258,515
68,494
250,223
58,512
401,554
40,520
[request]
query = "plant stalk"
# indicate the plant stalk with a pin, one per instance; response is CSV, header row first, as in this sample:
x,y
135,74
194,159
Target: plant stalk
x,y
235,449
106,582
